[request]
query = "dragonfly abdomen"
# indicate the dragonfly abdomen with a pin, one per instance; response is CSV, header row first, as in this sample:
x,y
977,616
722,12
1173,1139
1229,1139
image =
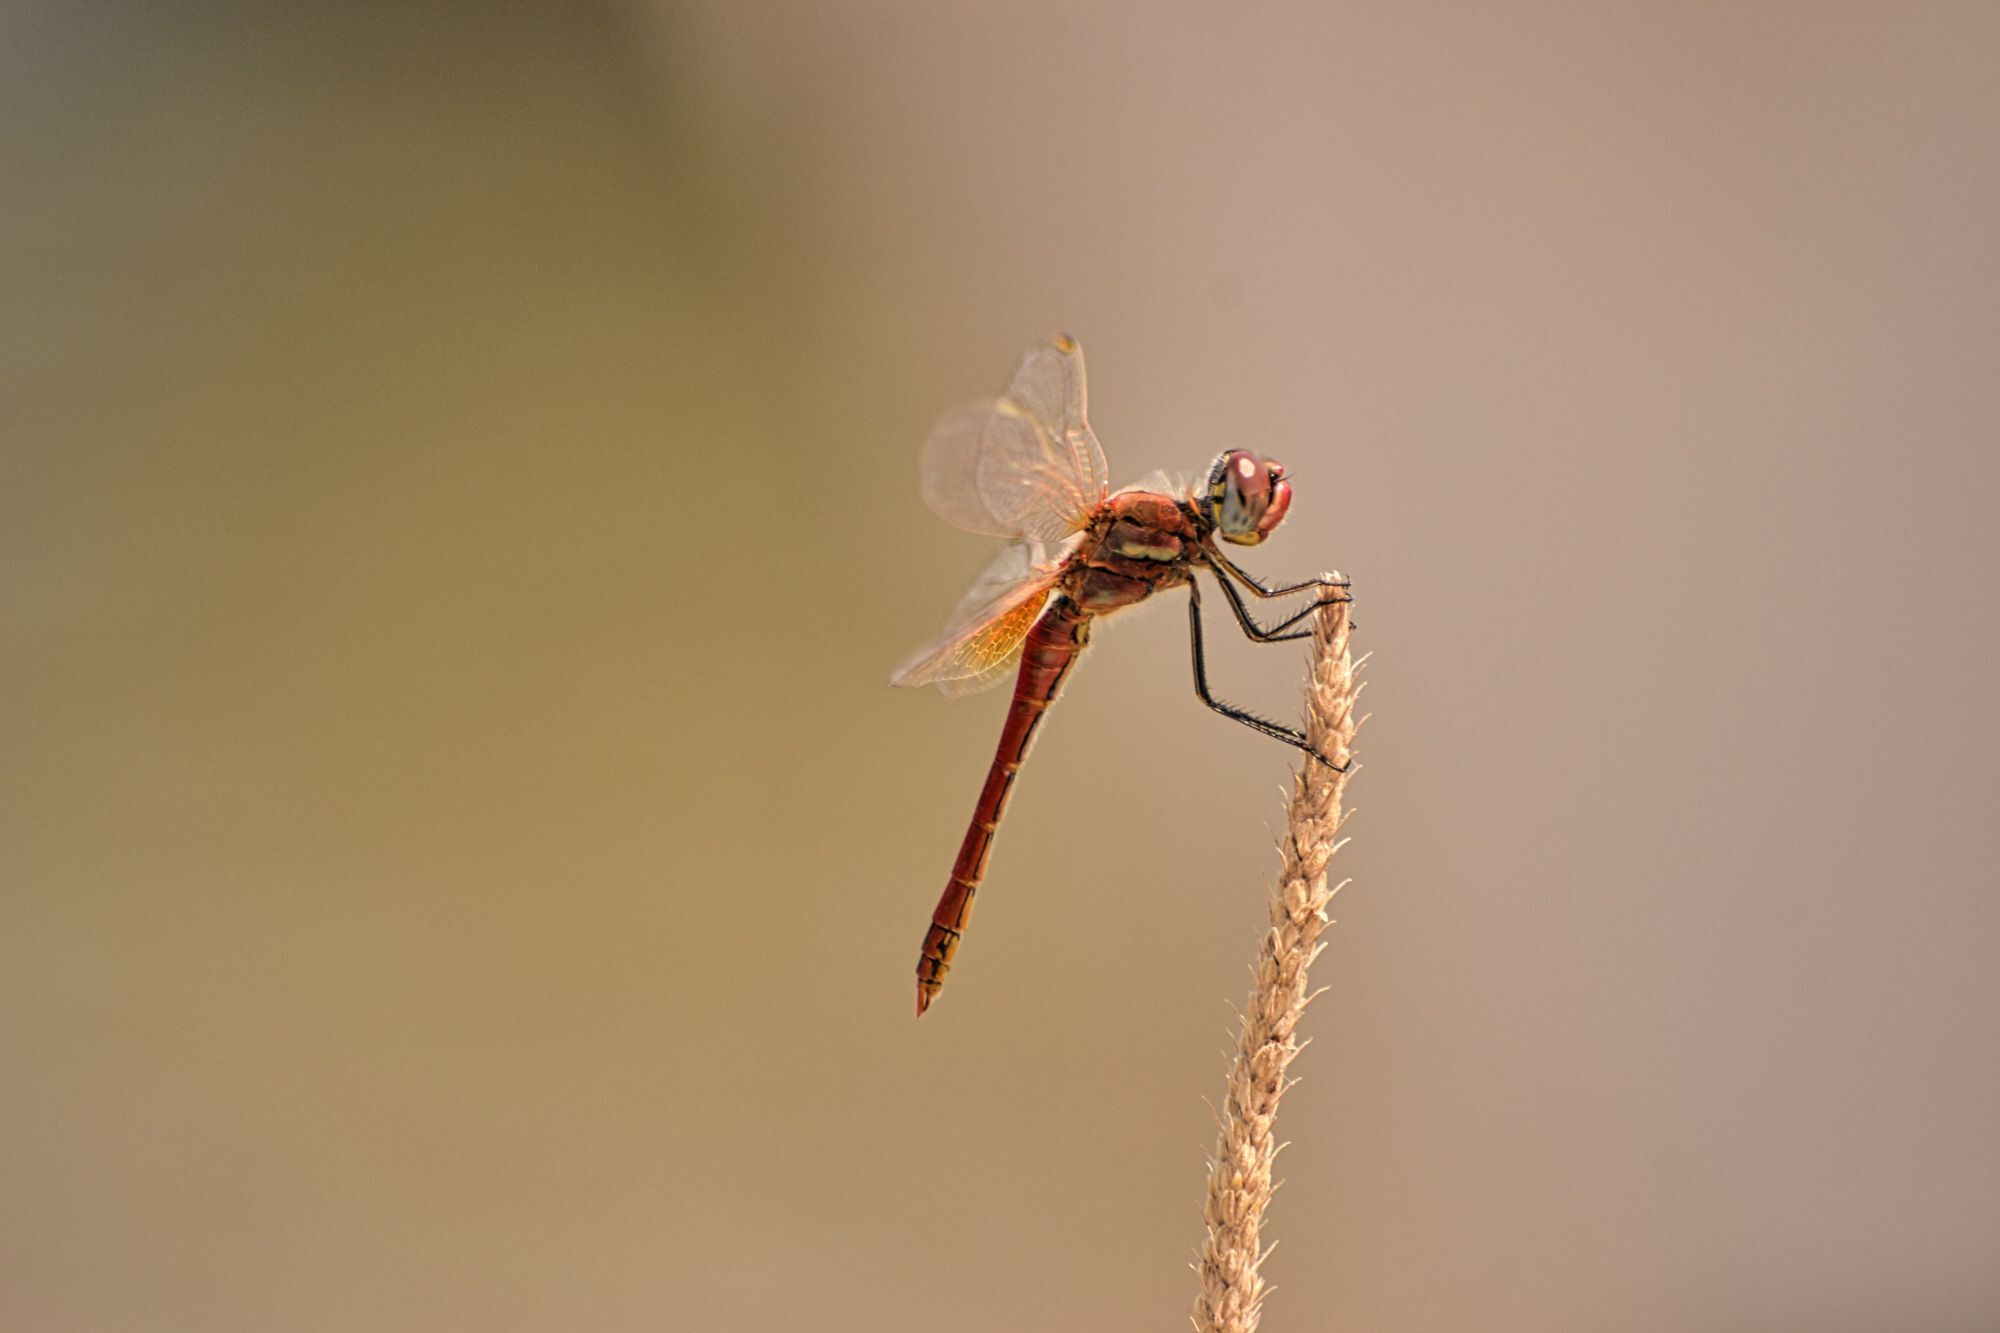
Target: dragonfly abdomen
x,y
1050,650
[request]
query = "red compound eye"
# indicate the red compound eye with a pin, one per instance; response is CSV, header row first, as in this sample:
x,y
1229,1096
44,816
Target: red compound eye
x,y
1248,496
1281,500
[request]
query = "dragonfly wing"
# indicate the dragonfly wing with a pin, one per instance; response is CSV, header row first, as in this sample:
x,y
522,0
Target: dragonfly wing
x,y
983,638
1025,464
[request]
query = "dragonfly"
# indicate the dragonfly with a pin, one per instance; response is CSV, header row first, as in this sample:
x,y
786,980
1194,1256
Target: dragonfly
x,y
1026,466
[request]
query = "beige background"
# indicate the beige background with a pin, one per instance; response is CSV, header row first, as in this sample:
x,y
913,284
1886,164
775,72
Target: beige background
x,y
460,867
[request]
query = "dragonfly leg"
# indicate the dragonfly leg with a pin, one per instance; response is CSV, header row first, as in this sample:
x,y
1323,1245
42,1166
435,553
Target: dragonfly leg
x,y
1276,731
1335,592
1279,633
1255,585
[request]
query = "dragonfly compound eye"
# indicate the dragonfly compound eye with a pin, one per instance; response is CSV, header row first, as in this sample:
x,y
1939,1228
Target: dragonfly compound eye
x,y
1247,496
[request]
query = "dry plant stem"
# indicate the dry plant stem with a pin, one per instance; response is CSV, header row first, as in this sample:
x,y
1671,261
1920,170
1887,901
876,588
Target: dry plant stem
x,y
1239,1178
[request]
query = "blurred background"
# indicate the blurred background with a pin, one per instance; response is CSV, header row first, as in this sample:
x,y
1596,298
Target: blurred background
x,y
460,867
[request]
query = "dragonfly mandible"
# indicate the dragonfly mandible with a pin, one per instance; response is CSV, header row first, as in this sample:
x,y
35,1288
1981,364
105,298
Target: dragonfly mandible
x,y
1026,466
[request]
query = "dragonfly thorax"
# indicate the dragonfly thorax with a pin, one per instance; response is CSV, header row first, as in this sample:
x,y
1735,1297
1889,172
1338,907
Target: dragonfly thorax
x,y
1139,543
1143,525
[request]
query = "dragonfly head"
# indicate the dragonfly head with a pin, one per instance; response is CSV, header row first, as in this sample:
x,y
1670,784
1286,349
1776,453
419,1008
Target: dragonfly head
x,y
1246,497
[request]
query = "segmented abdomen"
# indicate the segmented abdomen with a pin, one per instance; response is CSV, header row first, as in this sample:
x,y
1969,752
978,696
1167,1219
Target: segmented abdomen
x,y
1049,652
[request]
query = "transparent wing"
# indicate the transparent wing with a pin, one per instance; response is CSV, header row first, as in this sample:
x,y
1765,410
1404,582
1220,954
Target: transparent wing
x,y
1025,464
983,638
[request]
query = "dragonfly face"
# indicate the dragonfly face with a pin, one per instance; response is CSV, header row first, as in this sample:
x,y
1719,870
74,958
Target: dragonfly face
x,y
1246,497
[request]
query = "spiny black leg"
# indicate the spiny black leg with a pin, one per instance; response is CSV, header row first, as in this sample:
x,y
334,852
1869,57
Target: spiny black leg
x,y
1256,632
1225,571
1249,581
1289,735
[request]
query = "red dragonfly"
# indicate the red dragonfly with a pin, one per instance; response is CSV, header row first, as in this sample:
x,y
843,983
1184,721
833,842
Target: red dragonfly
x,y
1027,467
